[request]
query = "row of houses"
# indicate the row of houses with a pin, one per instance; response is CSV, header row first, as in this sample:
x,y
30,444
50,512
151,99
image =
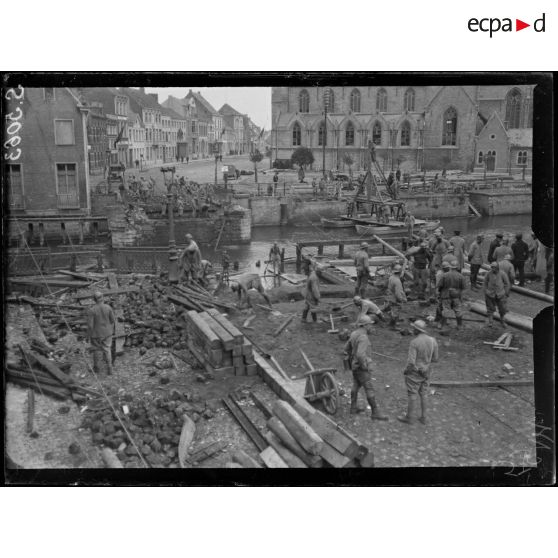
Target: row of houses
x,y
480,128
62,136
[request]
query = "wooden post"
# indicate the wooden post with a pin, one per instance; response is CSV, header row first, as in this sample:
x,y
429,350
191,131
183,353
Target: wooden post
x,y
298,427
341,251
81,226
320,250
298,258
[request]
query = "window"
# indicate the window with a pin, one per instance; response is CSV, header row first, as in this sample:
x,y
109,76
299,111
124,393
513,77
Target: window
x,y
409,100
329,99
322,139
49,94
304,101
350,134
513,108
377,133
480,158
522,158
355,100
297,134
15,186
66,184
64,132
405,134
449,132
381,100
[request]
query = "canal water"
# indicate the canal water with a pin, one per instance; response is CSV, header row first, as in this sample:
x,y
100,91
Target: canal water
x,y
248,255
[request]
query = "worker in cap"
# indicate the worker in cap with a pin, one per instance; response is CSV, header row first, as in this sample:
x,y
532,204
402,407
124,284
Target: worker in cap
x,y
100,329
357,352
458,243
246,282
362,270
189,261
367,307
396,295
493,245
423,351
504,249
476,259
496,291
311,294
506,266
520,251
450,291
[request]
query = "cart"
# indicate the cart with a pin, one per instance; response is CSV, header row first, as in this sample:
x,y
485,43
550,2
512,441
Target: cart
x,y
321,386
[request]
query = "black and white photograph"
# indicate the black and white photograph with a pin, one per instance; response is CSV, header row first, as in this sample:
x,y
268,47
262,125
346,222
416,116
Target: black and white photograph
x,y
276,273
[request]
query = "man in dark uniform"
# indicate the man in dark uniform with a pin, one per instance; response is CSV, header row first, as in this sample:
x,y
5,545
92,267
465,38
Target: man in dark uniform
x,y
362,269
493,245
520,251
422,259
357,350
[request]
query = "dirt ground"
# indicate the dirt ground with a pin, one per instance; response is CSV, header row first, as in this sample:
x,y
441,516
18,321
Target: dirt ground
x,y
467,427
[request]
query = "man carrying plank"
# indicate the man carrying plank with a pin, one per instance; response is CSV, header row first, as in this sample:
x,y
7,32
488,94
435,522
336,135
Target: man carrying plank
x,y
243,283
423,350
357,350
100,329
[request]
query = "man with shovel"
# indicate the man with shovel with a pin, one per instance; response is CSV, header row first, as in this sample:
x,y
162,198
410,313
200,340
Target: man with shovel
x,y
357,352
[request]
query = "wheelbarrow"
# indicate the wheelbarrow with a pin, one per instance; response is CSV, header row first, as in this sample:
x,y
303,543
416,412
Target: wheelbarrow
x,y
321,386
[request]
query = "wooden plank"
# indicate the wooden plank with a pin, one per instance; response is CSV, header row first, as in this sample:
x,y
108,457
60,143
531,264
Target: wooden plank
x,y
286,455
329,433
264,407
51,283
186,302
286,438
333,457
519,321
284,325
30,410
207,451
242,458
210,337
107,293
272,459
279,369
298,427
110,459
251,369
480,383
246,424
186,437
49,366
236,334
75,275
225,337
233,465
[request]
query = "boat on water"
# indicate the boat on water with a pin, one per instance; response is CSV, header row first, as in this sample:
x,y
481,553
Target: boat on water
x,y
336,223
393,229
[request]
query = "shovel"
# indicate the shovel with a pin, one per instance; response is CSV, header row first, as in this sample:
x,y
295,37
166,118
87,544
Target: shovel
x,y
332,330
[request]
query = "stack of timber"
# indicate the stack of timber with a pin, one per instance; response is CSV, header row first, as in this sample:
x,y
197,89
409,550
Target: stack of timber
x,y
305,438
218,345
194,297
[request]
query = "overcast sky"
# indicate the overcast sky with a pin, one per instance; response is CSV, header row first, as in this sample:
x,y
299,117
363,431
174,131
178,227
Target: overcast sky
x,y
253,101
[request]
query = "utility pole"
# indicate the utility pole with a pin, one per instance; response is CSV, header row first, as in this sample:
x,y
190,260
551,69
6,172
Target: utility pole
x,y
324,138
173,254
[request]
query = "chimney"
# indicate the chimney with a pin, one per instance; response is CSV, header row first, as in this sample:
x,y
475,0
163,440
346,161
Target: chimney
x,y
155,96
142,90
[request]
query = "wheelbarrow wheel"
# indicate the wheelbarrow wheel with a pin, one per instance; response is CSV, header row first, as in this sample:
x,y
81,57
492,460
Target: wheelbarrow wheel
x,y
330,402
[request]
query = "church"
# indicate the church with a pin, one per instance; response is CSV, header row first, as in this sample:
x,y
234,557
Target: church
x,y
470,128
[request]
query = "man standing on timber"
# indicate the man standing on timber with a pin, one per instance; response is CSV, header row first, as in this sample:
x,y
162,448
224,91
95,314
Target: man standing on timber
x,y
396,295
423,350
366,307
358,351
496,291
100,329
190,260
311,295
476,260
450,290
362,269
275,257
520,251
458,243
243,283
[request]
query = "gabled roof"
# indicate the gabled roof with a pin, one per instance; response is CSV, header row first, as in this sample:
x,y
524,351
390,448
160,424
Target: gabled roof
x,y
103,95
171,113
133,118
494,117
227,110
142,100
206,105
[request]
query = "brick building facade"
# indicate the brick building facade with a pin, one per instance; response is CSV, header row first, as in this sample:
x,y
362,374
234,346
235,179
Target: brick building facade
x,y
413,128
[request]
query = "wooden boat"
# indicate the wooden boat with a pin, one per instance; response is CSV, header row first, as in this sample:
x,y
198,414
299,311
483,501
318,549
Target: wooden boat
x,y
336,223
394,228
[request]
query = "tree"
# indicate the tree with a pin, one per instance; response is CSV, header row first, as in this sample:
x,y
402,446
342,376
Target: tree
x,y
256,157
302,156
349,161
